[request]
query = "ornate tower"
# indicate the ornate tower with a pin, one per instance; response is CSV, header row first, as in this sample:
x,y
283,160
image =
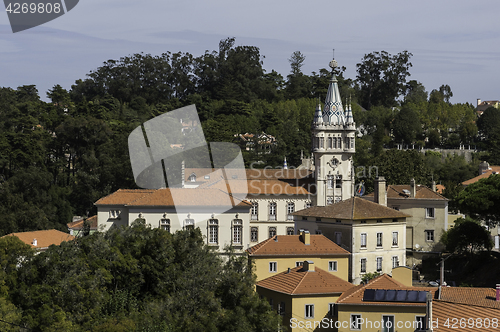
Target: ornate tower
x,y
333,133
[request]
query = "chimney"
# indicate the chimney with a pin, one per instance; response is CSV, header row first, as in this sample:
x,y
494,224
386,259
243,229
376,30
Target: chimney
x,y
434,186
483,167
35,242
288,270
498,293
413,189
305,237
308,266
428,310
380,195
478,102
183,170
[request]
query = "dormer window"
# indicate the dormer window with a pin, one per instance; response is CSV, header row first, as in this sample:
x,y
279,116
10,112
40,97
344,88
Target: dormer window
x,y
114,214
192,177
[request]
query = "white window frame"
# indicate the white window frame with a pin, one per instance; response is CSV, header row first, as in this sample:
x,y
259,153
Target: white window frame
x,y
429,233
213,231
330,182
272,210
254,234
379,264
395,262
430,213
362,265
380,240
188,223
273,267
290,230
255,211
356,323
290,208
114,214
238,231
299,263
363,240
272,231
165,224
395,239
332,266
309,311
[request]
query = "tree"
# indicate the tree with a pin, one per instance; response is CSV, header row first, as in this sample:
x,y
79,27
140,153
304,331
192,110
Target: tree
x,y
298,84
382,78
406,125
467,236
481,200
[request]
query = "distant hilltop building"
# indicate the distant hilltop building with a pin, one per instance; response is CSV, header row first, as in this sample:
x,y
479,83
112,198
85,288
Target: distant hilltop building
x,y
262,142
483,105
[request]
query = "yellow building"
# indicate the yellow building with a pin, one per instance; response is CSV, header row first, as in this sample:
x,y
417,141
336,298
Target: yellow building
x,y
305,296
374,234
383,304
277,254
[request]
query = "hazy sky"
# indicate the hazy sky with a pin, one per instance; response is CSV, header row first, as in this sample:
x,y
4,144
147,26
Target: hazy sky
x,y
453,42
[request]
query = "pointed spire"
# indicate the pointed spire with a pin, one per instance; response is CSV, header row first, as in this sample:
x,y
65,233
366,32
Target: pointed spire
x,y
333,112
318,115
285,165
348,113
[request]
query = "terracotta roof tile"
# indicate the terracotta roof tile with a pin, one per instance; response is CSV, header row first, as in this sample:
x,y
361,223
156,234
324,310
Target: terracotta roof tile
x,y
354,208
493,171
124,196
292,245
356,293
43,238
79,223
443,311
276,174
484,297
303,282
422,192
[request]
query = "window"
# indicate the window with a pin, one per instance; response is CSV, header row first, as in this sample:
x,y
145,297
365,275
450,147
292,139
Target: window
x,y
319,232
379,264
213,231
237,231
165,224
321,142
420,323
356,322
281,308
309,311
429,235
189,223
299,263
332,266
394,220
290,207
363,265
272,211
394,239
331,309
273,266
254,234
379,221
290,231
396,208
363,221
272,231
114,214
352,142
339,143
363,240
338,238
338,181
329,200
379,239
330,143
255,211
329,181
388,323
338,221
429,213
192,177
334,142
308,205
395,261
271,302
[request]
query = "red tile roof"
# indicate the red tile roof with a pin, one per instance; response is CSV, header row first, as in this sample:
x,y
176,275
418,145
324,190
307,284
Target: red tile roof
x,y
449,316
422,192
293,246
79,223
354,208
356,293
494,170
277,174
43,238
300,282
484,297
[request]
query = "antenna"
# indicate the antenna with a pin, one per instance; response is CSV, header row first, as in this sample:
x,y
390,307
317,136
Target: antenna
x,y
333,54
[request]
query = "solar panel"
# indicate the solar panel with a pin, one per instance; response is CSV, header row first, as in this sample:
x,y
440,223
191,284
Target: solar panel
x,y
401,296
369,295
379,295
422,296
390,295
412,296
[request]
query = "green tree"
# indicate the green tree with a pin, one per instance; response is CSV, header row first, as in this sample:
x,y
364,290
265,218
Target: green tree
x,y
481,200
406,125
467,236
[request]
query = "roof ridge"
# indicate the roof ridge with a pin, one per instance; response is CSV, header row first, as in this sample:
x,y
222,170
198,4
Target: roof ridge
x,y
300,282
259,245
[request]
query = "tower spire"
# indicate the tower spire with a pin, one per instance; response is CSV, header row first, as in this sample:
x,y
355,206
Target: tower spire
x,y
333,112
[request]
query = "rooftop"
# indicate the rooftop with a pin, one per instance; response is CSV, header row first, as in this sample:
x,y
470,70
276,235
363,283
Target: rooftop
x,y
292,245
444,310
301,282
44,238
422,192
484,297
79,223
354,208
493,170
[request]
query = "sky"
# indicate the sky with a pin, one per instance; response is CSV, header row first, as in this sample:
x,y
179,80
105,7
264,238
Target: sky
x,y
454,42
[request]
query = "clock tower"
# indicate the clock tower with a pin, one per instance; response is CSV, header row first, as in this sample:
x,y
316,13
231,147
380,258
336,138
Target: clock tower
x,y
333,133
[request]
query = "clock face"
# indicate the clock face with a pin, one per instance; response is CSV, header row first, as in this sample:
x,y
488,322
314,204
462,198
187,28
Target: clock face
x,y
334,162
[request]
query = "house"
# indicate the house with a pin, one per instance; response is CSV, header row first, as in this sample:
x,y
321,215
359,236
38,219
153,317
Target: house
x,y
275,255
305,296
373,233
483,105
42,240
427,210
76,227
383,304
485,171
